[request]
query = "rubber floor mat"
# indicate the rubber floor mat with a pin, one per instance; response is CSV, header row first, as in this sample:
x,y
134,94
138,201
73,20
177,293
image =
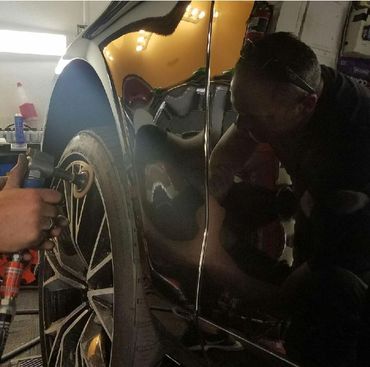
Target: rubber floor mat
x,y
34,362
24,362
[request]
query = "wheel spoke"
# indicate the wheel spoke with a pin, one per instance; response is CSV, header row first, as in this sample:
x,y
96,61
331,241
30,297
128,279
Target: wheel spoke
x,y
68,256
68,189
106,262
57,329
80,362
57,283
105,295
102,275
61,279
80,212
97,251
92,344
67,196
70,338
55,184
102,302
76,216
90,221
58,360
73,213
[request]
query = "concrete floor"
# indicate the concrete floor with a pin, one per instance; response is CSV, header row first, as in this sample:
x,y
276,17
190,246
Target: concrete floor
x,y
24,328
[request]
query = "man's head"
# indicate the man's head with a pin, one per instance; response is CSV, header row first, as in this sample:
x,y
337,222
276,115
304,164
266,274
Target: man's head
x,y
276,85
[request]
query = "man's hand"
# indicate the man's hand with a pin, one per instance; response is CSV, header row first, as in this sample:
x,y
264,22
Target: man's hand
x,y
26,214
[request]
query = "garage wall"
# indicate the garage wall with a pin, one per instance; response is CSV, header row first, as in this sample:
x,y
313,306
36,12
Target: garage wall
x,y
37,72
317,23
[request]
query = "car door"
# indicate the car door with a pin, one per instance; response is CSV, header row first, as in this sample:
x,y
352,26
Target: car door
x,y
242,251
158,69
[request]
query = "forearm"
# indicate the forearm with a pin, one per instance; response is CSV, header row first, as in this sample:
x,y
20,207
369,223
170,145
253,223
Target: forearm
x,y
229,156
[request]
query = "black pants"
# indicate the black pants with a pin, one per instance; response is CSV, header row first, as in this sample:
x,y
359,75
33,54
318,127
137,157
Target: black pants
x,y
328,326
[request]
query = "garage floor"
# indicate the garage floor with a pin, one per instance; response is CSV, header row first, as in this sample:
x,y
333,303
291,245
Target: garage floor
x,y
23,329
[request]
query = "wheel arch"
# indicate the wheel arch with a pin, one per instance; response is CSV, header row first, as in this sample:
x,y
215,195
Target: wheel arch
x,y
79,101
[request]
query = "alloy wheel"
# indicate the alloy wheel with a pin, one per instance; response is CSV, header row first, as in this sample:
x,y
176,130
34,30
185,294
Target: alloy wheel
x,y
77,281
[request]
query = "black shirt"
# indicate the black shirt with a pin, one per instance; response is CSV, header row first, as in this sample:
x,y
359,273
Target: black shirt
x,y
333,150
333,153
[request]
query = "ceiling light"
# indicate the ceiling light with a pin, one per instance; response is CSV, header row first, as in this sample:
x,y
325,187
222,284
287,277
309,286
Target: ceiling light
x,y
33,43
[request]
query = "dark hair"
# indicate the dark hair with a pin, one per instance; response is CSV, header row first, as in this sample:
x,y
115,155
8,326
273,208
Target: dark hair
x,y
288,50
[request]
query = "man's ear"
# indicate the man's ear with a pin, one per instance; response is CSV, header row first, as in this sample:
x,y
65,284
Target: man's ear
x,y
309,103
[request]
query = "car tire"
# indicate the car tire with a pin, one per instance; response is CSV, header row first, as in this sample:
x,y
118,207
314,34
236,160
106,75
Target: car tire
x,y
75,312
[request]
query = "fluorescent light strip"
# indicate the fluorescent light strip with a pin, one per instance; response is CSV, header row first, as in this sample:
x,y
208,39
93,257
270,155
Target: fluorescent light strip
x,y
32,43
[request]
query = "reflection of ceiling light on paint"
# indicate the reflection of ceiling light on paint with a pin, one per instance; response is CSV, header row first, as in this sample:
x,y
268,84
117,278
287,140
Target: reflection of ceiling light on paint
x,y
108,55
93,347
61,65
143,40
193,15
216,14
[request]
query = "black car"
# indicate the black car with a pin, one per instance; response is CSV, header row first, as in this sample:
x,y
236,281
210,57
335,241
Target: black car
x,y
148,271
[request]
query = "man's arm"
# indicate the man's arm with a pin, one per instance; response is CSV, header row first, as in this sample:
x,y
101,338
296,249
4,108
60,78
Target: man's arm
x,y
25,213
229,156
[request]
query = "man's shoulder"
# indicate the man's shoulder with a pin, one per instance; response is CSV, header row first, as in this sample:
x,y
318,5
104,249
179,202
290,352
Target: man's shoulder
x,y
327,71
350,99
339,83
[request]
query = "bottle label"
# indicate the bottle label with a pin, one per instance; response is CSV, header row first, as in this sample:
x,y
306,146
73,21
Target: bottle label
x,y
19,132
